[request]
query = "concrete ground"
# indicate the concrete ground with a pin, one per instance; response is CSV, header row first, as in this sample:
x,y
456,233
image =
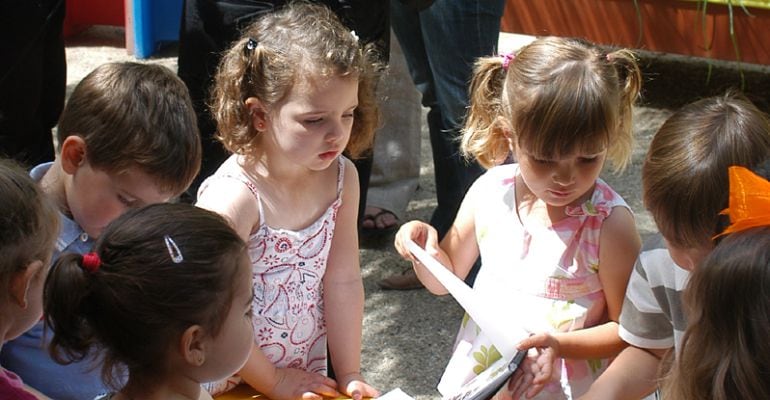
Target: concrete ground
x,y
407,335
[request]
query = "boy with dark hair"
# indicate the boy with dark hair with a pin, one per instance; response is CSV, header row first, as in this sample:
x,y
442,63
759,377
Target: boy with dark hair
x,y
127,137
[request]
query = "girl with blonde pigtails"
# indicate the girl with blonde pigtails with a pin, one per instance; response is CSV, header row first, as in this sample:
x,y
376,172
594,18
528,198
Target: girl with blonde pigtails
x,y
547,228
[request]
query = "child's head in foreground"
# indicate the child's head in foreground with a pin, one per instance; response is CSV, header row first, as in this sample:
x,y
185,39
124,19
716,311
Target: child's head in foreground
x,y
165,293
29,224
684,176
298,49
127,137
553,98
725,353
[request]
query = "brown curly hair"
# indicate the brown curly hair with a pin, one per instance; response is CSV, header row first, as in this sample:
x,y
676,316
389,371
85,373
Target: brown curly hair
x,y
270,58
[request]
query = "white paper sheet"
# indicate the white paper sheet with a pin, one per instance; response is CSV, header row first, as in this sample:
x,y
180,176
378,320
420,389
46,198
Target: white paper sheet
x,y
501,323
395,394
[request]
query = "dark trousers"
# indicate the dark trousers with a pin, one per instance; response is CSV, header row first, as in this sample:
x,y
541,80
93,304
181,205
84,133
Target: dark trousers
x,y
33,76
440,45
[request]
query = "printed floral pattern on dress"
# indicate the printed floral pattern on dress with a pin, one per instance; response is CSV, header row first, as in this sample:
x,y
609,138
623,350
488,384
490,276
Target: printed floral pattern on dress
x,y
288,268
555,267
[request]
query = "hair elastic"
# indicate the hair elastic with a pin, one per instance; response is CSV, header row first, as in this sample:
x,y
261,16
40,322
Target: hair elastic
x,y
507,58
173,250
90,262
749,205
251,44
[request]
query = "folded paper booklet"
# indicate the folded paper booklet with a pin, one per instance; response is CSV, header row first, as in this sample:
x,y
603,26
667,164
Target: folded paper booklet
x,y
499,321
486,384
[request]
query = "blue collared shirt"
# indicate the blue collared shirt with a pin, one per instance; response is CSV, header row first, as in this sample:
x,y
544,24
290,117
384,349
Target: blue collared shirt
x,y
72,238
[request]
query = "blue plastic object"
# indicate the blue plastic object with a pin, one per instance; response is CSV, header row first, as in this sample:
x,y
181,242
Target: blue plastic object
x,y
155,21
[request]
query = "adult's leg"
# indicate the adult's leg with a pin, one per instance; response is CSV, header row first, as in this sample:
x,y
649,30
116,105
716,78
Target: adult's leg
x,y
455,34
441,44
396,168
406,23
32,78
370,19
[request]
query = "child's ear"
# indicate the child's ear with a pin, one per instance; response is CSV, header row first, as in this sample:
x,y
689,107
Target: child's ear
x,y
193,345
73,153
22,280
258,113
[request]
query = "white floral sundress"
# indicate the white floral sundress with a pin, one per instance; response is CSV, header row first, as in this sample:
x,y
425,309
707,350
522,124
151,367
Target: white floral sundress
x,y
287,269
553,267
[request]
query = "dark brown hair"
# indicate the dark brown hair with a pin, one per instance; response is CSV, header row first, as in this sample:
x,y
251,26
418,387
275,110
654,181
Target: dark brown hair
x,y
29,222
299,42
725,352
684,176
558,95
128,313
134,115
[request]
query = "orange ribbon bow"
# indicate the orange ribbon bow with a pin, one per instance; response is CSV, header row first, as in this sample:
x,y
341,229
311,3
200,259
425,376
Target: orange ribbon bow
x,y
749,205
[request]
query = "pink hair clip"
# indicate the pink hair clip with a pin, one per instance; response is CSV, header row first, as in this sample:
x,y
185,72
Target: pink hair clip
x,y
507,58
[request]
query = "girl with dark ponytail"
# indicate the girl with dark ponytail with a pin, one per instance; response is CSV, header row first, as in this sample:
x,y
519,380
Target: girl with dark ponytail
x,y
164,301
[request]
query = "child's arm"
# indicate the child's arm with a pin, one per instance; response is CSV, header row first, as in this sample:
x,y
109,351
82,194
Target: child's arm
x,y
344,295
633,374
619,245
285,383
457,251
231,199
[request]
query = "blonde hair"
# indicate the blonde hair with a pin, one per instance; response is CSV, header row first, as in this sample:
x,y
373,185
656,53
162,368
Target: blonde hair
x,y
269,59
684,176
556,95
725,353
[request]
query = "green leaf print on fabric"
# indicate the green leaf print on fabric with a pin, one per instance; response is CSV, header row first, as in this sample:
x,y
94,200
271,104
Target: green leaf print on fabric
x,y
485,357
590,208
594,267
562,314
482,233
595,365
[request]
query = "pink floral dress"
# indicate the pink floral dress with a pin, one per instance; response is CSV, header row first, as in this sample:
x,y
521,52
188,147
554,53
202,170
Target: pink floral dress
x,y
288,269
553,268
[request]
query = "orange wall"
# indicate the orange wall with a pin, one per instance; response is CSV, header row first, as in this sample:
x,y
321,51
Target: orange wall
x,y
667,25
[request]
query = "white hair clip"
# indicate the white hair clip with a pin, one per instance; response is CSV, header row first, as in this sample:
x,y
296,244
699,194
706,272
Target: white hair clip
x,y
173,250
355,36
